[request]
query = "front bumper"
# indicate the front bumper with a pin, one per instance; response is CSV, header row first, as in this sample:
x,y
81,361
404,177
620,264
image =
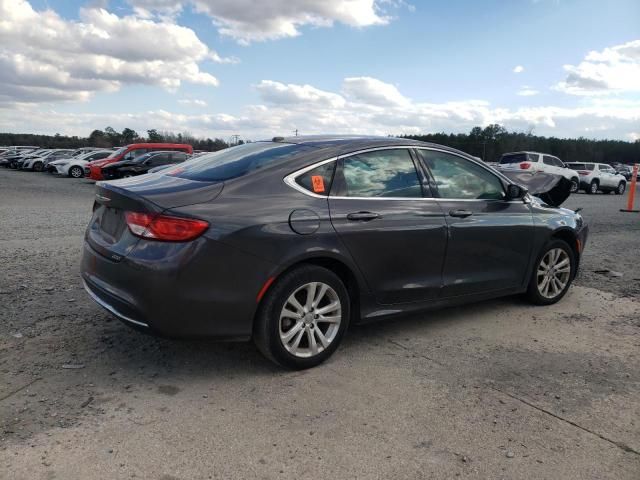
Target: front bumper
x,y
94,173
202,288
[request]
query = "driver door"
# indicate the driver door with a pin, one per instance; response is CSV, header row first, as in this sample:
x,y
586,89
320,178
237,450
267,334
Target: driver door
x,y
490,237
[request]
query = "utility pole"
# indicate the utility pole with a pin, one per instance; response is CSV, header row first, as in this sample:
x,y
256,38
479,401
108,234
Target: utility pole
x,y
234,139
296,132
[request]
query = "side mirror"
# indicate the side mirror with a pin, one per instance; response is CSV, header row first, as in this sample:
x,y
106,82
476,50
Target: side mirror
x,y
515,192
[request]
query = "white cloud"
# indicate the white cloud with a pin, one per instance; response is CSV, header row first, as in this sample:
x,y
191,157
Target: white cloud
x,y
373,92
249,20
192,102
518,69
612,70
44,57
281,94
285,107
526,91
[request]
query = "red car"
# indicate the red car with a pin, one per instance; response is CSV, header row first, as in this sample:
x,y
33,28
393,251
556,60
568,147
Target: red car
x,y
93,170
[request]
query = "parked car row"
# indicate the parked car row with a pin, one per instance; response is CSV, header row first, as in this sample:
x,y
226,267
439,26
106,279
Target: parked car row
x,y
590,177
98,163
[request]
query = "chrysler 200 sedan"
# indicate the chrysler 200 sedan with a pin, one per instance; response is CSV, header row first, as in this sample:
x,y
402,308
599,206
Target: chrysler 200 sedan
x,y
289,241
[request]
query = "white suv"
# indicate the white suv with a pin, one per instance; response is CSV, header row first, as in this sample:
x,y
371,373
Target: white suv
x,y
599,176
539,162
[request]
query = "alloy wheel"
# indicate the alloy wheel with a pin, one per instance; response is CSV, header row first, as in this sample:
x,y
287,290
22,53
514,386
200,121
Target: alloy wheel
x,y
621,188
76,172
594,187
310,319
574,186
554,273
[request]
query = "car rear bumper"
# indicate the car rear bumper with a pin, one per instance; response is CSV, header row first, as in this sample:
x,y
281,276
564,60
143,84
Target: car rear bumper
x,y
179,289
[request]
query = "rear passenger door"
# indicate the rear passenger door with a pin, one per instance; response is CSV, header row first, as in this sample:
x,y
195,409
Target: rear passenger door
x,y
490,237
383,212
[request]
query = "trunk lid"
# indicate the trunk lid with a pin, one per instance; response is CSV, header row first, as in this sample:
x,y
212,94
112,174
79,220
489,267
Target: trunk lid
x,y
108,233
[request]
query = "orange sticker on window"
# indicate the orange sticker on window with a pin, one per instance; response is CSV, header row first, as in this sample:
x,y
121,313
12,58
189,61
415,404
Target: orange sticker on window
x,y
318,183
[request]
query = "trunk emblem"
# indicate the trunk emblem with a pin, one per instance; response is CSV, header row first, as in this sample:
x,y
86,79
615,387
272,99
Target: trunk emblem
x,y
104,199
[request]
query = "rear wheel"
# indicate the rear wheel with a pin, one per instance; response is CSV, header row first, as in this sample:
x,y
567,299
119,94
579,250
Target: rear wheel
x,y
76,172
574,185
302,318
553,273
593,187
622,186
37,166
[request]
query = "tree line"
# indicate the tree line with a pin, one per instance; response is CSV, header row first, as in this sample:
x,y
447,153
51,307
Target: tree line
x,y
491,142
487,143
109,137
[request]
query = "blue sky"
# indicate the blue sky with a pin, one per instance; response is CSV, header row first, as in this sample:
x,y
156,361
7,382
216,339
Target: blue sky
x,y
214,68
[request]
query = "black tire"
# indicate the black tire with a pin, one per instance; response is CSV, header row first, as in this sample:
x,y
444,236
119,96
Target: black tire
x,y
575,185
266,330
622,186
593,187
533,292
76,172
37,167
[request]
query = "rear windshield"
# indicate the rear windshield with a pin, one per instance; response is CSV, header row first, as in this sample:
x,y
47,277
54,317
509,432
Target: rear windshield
x,y
513,158
235,162
580,166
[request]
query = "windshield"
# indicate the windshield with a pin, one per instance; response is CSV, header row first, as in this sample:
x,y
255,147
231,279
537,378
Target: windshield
x,y
237,161
118,152
513,158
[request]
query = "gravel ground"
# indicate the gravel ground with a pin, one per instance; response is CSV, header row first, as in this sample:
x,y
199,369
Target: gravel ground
x,y
499,389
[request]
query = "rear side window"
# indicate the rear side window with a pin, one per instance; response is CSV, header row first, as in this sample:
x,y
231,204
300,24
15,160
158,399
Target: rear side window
x,y
383,173
318,180
237,161
513,158
548,160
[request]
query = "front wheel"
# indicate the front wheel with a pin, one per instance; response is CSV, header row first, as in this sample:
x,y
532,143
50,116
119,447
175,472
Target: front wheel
x,y
622,186
37,167
302,318
593,188
553,273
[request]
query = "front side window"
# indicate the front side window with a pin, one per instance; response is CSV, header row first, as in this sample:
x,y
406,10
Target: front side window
x,y
548,160
382,173
462,179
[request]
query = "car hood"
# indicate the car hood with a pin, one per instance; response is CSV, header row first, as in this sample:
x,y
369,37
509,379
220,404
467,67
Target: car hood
x,y
552,189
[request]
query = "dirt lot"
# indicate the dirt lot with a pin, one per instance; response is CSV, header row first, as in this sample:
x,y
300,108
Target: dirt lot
x,y
495,390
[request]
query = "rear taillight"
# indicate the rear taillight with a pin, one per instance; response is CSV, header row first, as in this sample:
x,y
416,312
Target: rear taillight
x,y
163,227
583,172
525,166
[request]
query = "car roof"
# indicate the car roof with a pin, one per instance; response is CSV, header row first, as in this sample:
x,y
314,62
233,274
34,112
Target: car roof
x,y
342,144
